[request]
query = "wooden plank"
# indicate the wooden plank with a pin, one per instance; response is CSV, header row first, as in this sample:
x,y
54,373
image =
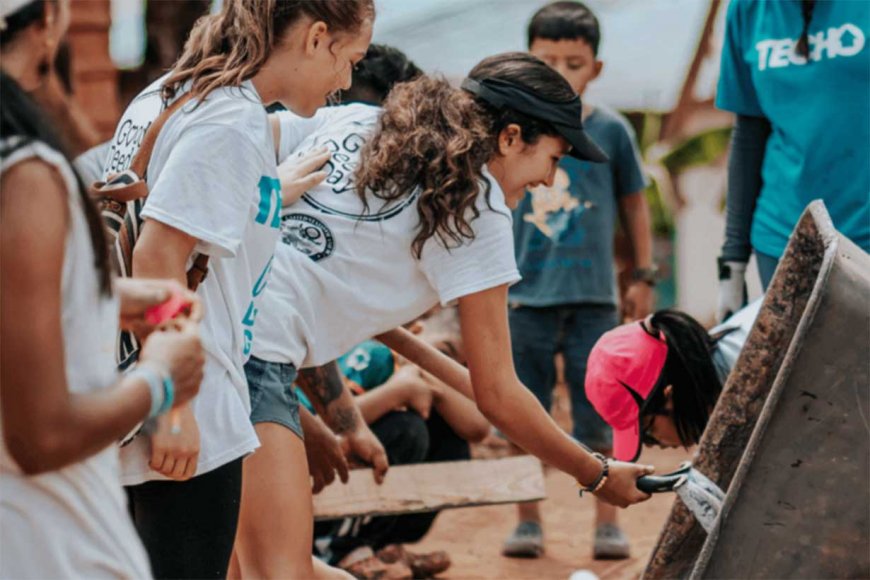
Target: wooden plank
x,y
434,486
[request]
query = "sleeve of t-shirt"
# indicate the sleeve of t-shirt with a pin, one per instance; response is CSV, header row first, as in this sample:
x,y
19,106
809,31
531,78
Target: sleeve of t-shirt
x,y
627,165
736,92
207,186
475,265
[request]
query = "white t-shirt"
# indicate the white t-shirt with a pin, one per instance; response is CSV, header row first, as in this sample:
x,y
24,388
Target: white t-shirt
x,y
729,346
341,276
73,522
213,176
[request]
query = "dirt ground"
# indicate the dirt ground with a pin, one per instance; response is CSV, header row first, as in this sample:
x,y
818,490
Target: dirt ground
x,y
473,536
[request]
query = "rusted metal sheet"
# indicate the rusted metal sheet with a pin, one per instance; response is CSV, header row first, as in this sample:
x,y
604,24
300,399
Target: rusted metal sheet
x,y
801,278
799,504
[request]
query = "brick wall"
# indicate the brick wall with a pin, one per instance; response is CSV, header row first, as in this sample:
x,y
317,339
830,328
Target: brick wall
x,y
95,80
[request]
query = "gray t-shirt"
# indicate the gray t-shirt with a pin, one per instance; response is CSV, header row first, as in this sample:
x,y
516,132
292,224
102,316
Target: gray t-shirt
x,y
90,164
729,346
563,235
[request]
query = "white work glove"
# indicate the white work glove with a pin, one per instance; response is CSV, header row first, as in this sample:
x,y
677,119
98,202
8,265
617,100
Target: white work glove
x,y
732,288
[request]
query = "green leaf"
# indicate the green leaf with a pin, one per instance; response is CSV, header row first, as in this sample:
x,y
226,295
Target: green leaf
x,y
701,149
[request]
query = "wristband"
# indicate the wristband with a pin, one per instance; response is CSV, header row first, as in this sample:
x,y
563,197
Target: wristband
x,y
599,482
168,394
646,275
156,388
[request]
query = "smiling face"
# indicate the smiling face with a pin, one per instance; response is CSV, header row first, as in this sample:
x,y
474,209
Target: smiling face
x,y
521,166
312,63
573,59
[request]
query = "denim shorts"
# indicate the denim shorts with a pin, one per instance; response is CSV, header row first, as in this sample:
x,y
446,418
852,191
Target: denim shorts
x,y
537,334
273,398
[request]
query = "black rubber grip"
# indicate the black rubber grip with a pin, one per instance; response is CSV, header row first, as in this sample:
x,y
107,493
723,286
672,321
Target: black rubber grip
x,y
658,483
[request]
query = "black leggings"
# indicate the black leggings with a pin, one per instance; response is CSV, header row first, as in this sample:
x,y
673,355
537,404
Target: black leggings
x,y
188,527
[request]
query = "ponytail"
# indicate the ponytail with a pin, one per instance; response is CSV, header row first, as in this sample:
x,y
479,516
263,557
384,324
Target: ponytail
x,y
689,370
232,46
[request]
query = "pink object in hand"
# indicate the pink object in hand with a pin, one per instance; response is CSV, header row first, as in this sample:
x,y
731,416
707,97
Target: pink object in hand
x,y
167,310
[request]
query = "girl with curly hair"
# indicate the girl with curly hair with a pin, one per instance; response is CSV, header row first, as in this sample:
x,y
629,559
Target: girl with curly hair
x,y
414,212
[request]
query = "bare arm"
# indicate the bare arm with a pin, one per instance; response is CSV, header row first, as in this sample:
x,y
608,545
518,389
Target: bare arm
x,y
427,357
516,412
334,403
379,401
323,450
45,426
460,412
162,252
635,217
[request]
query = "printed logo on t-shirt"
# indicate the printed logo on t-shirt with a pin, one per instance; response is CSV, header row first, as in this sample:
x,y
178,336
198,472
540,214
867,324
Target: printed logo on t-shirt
x,y
552,207
341,197
251,313
847,40
307,234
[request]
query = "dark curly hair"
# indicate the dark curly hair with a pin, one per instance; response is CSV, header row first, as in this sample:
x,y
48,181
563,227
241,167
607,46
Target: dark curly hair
x,y
436,139
375,75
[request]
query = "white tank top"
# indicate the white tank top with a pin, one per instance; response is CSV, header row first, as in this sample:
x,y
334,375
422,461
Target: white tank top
x,y
71,523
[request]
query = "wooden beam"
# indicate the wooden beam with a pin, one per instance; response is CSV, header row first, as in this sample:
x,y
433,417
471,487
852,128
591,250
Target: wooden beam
x,y
434,486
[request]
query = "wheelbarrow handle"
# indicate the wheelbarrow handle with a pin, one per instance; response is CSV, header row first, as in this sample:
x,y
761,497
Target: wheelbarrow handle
x,y
666,482
659,483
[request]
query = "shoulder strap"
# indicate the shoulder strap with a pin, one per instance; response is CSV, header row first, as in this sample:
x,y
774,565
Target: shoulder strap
x,y
198,271
140,162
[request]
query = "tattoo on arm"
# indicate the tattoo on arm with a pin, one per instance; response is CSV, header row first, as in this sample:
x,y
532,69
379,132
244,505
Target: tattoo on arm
x,y
325,387
323,384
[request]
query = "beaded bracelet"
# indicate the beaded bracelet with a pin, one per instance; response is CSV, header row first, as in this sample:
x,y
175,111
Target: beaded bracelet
x,y
599,482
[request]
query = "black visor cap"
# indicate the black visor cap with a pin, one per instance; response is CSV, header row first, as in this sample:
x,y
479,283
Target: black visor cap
x,y
565,117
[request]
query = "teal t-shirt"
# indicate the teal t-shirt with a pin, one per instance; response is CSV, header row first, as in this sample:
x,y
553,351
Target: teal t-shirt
x,y
368,365
819,111
563,235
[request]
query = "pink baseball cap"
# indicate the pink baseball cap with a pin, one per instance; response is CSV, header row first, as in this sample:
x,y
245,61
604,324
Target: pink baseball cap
x,y
621,373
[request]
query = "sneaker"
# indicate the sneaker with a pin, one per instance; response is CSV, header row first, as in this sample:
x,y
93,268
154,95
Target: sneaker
x,y
527,541
422,565
610,543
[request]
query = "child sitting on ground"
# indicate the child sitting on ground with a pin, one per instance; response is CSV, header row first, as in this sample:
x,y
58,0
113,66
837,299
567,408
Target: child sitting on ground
x,y
417,419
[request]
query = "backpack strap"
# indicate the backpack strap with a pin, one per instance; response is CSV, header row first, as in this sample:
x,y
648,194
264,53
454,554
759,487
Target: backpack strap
x,y
143,156
198,271
129,184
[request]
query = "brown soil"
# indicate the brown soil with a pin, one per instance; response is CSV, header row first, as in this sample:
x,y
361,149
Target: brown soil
x,y
473,536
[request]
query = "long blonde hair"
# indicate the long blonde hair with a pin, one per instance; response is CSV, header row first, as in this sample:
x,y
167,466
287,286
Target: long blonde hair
x,y
227,48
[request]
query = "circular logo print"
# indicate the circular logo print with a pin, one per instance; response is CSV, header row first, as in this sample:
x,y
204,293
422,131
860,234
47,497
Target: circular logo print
x,y
307,234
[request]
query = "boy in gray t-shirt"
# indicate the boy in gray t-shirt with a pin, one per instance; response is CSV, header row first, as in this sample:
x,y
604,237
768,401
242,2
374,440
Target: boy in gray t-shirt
x,y
563,237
